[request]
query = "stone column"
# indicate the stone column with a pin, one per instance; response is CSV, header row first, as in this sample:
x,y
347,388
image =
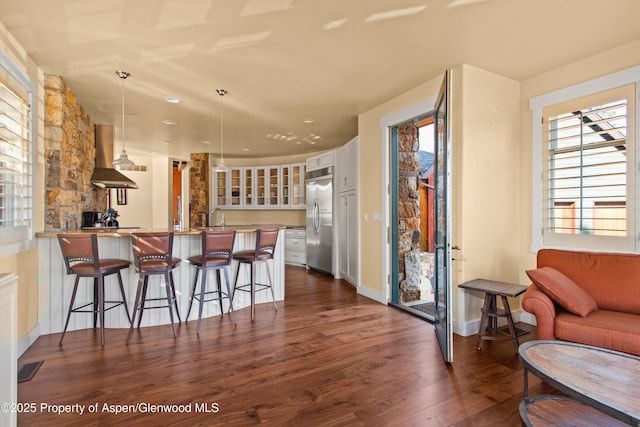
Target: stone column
x,y
70,158
199,181
408,205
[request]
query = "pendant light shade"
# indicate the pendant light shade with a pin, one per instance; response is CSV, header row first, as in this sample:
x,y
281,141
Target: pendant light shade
x,y
123,160
220,166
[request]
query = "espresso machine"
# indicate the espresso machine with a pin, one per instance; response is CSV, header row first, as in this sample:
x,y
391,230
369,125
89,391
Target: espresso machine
x,y
94,219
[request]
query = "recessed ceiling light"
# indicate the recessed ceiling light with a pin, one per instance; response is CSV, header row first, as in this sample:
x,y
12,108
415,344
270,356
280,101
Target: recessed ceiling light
x,y
245,149
308,120
166,142
169,122
172,100
206,142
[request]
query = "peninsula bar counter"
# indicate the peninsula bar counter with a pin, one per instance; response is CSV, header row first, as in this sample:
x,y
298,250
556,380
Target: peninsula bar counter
x,y
55,285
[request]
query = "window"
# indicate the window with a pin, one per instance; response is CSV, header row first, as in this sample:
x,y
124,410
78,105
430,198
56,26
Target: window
x,y
585,191
16,166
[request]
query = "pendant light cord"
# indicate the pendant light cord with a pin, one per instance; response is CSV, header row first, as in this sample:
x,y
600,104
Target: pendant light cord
x,y
222,93
221,129
123,76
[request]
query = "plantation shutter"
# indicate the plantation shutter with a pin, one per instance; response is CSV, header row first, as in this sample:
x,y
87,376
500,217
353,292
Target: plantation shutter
x,y
16,208
586,165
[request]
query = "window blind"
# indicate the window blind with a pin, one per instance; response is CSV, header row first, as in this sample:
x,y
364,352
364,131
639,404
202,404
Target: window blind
x,y
16,169
586,171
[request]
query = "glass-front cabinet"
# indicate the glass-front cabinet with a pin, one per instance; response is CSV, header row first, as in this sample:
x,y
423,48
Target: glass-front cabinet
x,y
220,187
285,175
235,185
272,174
227,187
260,187
268,186
297,186
248,190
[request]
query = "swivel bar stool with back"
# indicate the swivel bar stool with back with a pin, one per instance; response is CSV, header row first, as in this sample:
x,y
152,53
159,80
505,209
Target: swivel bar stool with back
x,y
266,240
80,253
217,247
153,255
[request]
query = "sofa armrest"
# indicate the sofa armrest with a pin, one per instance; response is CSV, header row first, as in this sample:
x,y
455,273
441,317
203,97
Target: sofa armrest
x,y
540,305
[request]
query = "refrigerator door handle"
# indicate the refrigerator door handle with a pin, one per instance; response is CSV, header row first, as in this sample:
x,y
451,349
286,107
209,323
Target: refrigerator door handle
x,y
313,217
316,217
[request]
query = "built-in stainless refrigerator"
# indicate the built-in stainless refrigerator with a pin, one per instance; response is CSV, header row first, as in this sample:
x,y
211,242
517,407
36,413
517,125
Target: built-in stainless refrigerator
x,y
320,219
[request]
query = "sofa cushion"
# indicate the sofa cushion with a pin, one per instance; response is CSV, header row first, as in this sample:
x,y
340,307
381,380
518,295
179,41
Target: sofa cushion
x,y
563,290
602,328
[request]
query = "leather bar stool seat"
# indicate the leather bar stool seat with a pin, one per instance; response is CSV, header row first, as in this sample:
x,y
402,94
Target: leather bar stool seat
x,y
153,255
266,240
217,248
80,253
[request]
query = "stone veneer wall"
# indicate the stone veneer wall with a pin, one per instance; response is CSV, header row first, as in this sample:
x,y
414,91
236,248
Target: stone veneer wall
x,y
199,188
70,158
408,202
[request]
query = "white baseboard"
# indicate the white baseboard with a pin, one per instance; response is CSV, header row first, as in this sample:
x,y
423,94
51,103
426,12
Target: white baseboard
x,y
25,342
376,296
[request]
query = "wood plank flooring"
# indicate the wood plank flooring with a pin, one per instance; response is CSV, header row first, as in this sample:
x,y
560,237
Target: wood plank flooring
x,y
328,357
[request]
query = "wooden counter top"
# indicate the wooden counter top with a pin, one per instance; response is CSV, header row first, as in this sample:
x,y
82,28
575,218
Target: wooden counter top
x,y
126,232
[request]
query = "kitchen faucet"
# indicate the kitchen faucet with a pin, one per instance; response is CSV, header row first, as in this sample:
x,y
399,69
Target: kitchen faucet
x,y
212,217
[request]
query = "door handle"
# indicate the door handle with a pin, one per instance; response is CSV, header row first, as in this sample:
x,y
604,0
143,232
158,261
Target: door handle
x,y
317,217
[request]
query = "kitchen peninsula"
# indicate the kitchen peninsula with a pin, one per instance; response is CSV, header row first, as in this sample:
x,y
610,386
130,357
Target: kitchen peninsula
x,y
55,286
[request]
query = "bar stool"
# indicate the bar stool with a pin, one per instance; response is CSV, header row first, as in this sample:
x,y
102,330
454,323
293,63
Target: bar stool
x,y
217,247
80,253
266,240
153,255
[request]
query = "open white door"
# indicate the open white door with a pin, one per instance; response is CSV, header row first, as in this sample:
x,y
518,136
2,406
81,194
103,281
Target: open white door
x,y
443,323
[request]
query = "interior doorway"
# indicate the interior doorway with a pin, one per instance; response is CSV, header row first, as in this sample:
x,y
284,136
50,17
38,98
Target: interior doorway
x,y
177,198
413,218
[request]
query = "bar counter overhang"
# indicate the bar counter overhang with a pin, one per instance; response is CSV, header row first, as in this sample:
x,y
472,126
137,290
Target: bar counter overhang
x,y
55,286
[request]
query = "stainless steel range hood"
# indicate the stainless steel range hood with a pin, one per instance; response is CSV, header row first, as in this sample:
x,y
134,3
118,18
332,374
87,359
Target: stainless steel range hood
x,y
104,175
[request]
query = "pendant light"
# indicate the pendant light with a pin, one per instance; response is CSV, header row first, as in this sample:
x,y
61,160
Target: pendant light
x,y
123,160
221,167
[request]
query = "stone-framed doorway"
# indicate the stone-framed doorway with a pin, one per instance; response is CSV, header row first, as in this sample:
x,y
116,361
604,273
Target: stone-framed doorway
x,y
414,211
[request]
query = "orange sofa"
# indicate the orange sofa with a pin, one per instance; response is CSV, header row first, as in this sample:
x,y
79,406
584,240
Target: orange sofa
x,y
603,310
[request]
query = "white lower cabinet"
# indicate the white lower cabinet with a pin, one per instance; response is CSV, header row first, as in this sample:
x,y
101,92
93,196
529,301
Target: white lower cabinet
x,y
348,236
295,246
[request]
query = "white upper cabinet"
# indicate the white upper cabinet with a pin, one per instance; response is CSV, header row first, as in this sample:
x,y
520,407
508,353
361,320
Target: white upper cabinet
x,y
348,160
220,188
285,194
227,188
248,187
297,186
260,187
235,186
320,161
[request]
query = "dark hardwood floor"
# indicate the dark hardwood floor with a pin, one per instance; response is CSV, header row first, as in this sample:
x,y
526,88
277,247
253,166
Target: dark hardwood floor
x,y
328,357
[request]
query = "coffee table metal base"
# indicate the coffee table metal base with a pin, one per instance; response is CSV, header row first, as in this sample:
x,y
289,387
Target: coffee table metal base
x,y
553,411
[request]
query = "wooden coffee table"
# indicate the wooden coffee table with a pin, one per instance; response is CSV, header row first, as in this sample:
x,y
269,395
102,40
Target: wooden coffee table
x,y
606,380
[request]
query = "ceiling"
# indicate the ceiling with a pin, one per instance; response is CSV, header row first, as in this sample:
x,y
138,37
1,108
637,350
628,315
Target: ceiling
x,y
287,62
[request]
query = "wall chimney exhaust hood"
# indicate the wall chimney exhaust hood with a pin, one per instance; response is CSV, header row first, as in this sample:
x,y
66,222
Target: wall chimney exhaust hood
x,y
104,175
